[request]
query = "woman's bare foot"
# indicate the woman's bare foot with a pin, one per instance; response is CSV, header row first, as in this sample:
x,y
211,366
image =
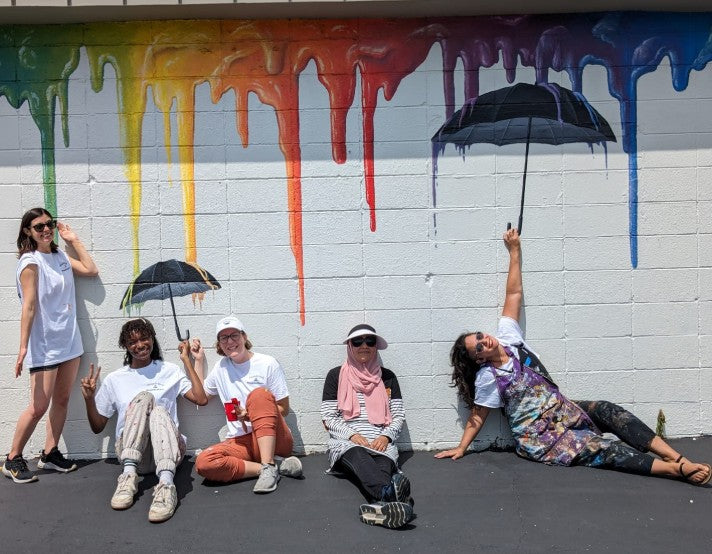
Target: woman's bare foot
x,y
696,474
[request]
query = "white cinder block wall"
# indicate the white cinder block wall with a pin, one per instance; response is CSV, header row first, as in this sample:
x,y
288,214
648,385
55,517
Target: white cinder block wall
x,y
640,337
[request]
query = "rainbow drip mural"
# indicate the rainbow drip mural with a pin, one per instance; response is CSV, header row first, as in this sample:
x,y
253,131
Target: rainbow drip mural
x,y
266,57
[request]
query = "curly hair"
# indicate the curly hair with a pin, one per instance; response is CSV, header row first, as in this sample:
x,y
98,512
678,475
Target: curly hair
x,y
25,242
221,352
464,370
144,328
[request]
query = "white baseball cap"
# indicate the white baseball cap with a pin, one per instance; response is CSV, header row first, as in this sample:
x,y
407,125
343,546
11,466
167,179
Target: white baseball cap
x,y
229,322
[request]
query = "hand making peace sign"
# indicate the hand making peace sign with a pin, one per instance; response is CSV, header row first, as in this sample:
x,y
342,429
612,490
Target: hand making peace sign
x,y
88,383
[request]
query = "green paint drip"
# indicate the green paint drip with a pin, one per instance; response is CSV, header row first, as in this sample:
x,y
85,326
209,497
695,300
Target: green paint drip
x,y
35,65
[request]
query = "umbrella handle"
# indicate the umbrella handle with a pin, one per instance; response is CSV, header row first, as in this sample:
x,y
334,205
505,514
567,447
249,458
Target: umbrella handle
x,y
175,319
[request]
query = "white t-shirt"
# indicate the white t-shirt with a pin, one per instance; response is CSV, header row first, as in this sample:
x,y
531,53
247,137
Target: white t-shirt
x,y
164,380
230,380
509,333
54,335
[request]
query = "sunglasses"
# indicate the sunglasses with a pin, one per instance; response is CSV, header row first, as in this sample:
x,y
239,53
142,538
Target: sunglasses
x,y
39,227
370,340
479,347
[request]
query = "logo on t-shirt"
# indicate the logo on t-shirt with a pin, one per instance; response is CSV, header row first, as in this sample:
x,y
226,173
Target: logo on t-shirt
x,y
64,265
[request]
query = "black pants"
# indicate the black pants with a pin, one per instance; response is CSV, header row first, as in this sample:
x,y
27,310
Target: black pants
x,y
370,471
637,436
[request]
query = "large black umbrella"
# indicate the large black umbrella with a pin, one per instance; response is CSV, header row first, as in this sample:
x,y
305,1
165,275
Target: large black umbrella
x,y
168,279
524,113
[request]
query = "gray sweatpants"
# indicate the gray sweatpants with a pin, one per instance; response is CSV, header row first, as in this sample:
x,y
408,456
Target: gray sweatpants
x,y
144,421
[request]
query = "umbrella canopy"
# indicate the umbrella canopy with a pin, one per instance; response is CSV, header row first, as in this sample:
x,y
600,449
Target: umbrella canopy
x,y
558,116
168,279
524,113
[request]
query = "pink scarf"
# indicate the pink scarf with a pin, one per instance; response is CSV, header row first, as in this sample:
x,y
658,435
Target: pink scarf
x,y
365,378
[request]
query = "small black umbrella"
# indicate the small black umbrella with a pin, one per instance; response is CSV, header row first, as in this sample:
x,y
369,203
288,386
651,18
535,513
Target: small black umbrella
x,y
524,113
168,279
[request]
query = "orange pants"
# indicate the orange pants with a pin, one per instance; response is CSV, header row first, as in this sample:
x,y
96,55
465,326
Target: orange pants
x,y
225,461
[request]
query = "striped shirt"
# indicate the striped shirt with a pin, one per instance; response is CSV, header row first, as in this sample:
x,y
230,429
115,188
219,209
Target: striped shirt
x,y
340,430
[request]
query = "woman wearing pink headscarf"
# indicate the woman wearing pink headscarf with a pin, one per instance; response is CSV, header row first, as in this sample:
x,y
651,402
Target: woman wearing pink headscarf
x,y
362,409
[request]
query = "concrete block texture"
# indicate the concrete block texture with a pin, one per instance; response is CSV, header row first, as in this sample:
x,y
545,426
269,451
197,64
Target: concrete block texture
x,y
292,160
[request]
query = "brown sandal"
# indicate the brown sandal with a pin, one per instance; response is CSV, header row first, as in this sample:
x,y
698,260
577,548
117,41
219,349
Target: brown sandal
x,y
695,472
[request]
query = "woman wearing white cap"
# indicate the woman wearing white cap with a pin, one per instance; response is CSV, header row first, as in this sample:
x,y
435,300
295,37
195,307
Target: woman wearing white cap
x,y
254,391
362,409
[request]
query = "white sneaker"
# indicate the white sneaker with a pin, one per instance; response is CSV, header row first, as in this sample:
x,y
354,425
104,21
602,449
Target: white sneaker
x,y
125,490
165,500
291,467
268,479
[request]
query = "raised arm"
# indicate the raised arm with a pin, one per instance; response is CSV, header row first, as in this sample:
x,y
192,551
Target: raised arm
x,y
513,295
82,264
97,422
478,416
196,394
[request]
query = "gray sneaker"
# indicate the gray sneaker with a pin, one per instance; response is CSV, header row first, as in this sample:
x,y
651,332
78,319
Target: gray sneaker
x,y
268,479
165,500
291,467
125,491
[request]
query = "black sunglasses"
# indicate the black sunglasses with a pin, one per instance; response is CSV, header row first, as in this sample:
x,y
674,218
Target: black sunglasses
x,y
39,227
479,347
370,340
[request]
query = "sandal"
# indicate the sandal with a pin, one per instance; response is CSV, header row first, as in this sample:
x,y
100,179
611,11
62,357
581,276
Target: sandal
x,y
696,471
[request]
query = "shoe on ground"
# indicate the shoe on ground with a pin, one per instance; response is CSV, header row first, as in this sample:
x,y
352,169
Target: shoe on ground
x,y
126,489
398,490
267,480
401,488
56,461
391,515
291,467
165,500
17,470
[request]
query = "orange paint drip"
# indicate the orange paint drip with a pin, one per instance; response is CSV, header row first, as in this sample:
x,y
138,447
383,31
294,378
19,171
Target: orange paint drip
x,y
264,57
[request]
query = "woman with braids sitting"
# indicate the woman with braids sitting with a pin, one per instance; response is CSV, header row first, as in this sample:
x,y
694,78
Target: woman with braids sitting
x,y
143,394
493,371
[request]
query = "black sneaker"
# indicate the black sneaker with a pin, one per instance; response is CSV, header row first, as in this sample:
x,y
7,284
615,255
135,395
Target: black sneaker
x,y
391,515
54,460
401,488
398,490
17,470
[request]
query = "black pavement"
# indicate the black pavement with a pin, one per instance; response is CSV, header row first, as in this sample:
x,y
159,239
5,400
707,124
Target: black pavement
x,y
490,501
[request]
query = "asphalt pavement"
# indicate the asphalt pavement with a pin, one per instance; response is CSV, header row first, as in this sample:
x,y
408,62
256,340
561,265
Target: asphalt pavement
x,y
489,501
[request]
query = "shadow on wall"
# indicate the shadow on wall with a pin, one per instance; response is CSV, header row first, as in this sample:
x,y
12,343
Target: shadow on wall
x,y
77,435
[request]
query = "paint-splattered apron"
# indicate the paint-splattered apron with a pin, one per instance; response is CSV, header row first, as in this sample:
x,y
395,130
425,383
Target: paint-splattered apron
x,y
547,426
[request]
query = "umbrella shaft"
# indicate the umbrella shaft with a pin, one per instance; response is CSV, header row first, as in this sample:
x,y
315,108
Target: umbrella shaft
x,y
524,177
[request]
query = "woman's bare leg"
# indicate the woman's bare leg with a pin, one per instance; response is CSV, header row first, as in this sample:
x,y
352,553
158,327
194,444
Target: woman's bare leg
x,y
66,375
41,387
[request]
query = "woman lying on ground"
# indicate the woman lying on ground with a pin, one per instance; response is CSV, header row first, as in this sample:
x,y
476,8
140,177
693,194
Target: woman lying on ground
x,y
143,393
50,343
493,371
254,391
362,409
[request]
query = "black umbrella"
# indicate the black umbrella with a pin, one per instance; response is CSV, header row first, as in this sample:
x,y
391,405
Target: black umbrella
x,y
168,279
524,113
